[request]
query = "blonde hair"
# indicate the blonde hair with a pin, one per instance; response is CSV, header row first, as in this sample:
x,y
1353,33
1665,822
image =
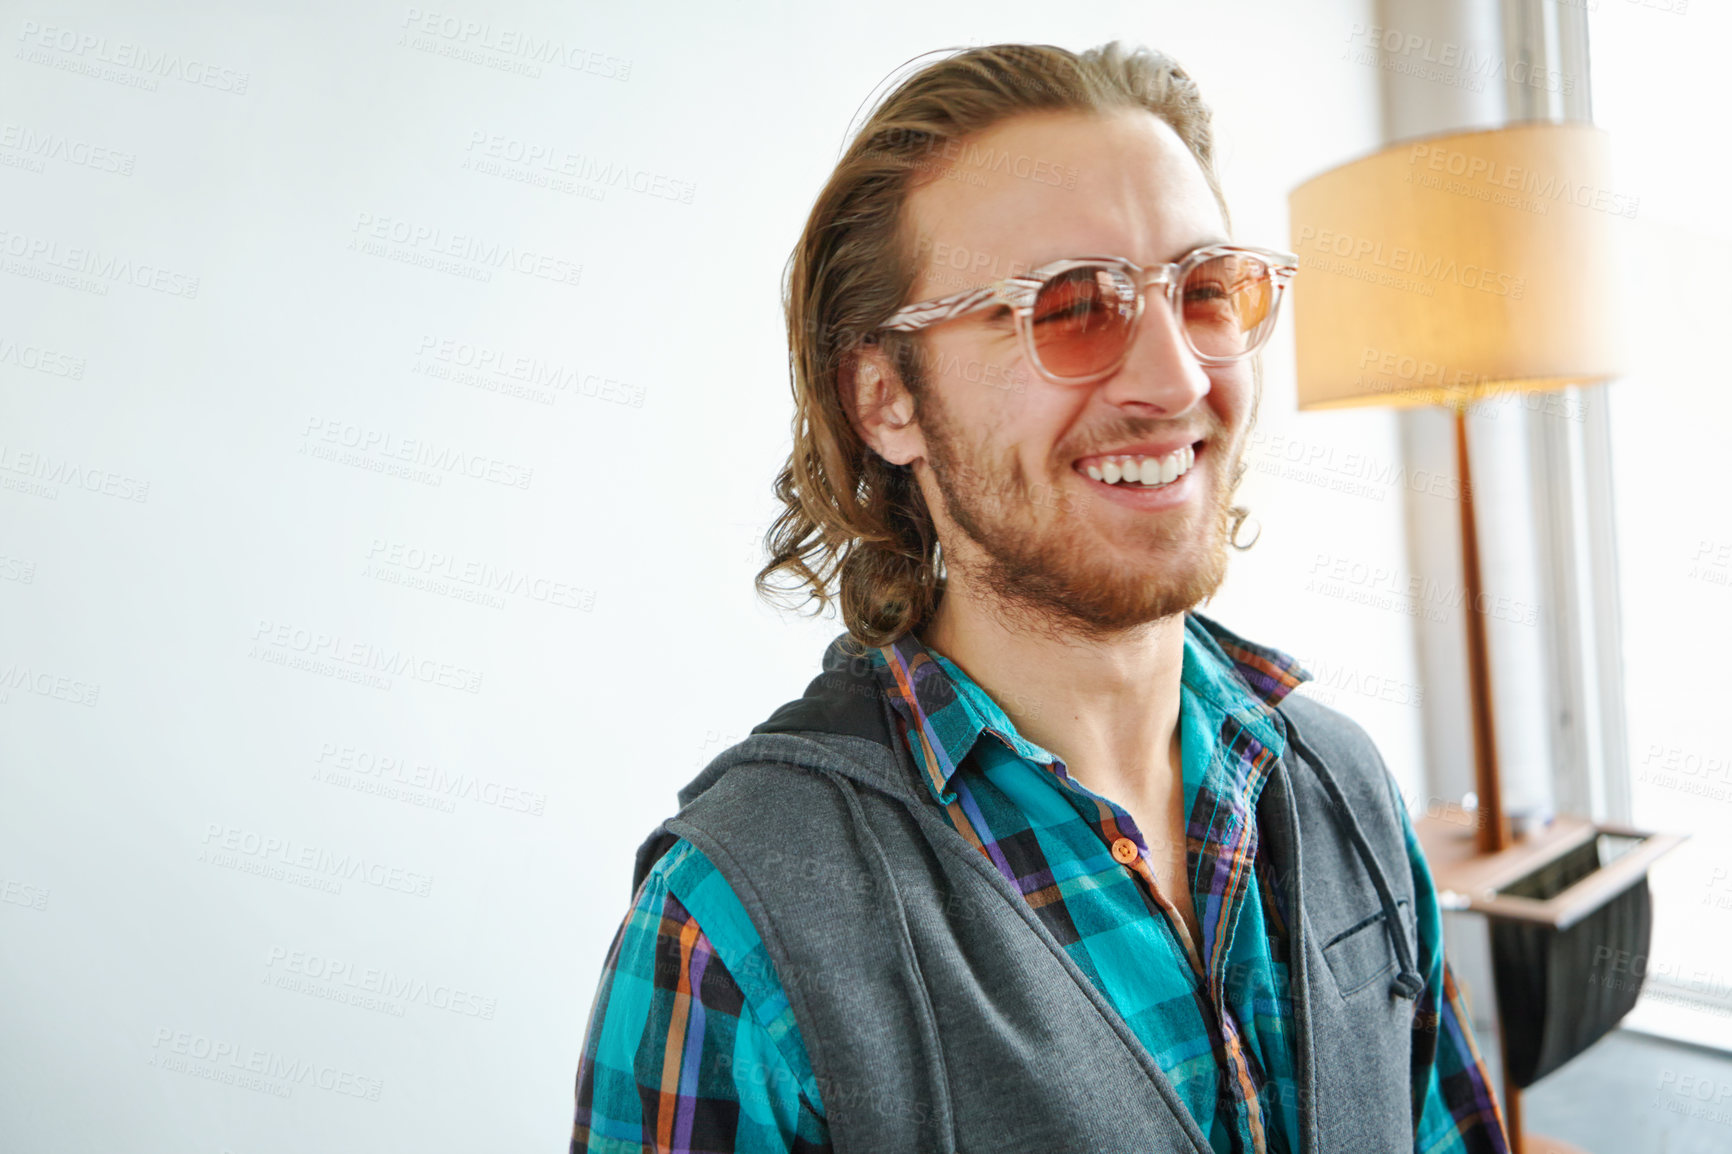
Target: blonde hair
x,y
854,528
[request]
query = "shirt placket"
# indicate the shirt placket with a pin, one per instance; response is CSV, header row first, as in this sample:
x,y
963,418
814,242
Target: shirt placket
x,y
1225,1025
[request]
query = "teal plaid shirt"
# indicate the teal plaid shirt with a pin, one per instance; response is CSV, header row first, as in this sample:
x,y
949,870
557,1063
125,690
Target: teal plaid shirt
x,y
692,1045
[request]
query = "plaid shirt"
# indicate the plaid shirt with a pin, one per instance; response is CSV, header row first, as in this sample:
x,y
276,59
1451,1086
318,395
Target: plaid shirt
x,y
692,1045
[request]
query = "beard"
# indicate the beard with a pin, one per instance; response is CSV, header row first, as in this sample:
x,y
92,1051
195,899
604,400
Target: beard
x,y
1042,563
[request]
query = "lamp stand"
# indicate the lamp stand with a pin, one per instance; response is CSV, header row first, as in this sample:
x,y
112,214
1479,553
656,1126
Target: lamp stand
x,y
1492,832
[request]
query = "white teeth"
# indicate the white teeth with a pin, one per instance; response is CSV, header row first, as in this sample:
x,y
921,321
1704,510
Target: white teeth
x,y
1146,471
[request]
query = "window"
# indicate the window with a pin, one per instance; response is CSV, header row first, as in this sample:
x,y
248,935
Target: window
x,y
1659,89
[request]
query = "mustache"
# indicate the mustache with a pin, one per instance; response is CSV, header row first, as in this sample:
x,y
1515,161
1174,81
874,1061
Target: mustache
x,y
1143,429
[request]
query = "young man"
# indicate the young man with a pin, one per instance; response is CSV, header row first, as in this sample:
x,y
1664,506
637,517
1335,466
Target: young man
x,y
1045,860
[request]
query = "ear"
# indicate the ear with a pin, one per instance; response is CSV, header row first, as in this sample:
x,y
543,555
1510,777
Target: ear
x,y
879,406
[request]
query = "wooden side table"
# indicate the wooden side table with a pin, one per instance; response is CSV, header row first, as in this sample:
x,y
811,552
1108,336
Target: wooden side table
x,y
1512,885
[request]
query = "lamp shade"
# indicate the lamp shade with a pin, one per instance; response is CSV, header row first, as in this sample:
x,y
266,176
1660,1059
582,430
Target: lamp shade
x,y
1450,268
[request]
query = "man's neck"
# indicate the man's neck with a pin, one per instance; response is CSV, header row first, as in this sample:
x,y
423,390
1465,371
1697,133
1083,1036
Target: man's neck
x,y
1108,709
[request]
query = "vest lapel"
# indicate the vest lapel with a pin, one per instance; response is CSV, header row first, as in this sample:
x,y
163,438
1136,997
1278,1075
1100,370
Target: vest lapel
x,y
944,838
1278,821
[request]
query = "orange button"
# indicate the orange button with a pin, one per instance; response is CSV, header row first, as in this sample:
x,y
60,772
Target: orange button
x,y
1124,851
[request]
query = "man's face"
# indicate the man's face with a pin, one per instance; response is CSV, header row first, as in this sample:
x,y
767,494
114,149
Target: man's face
x,y
1003,454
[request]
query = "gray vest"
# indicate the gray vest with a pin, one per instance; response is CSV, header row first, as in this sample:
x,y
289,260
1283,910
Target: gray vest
x,y
940,1014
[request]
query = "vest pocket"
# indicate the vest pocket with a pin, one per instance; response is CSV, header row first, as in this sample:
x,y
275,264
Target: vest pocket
x,y
1362,953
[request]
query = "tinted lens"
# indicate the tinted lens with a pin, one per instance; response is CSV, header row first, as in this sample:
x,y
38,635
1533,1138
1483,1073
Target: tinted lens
x,y
1229,305
1081,320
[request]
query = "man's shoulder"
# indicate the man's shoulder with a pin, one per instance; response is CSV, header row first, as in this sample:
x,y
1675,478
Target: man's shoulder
x,y
1335,729
685,913
772,787
1347,750
680,870
708,903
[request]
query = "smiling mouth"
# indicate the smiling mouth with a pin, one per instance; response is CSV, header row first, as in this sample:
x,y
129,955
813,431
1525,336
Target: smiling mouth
x,y
1139,470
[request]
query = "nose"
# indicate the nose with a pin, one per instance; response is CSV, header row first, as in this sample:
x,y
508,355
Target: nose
x,y
1160,374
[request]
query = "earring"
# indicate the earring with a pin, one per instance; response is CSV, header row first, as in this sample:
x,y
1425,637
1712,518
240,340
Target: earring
x,y
1240,514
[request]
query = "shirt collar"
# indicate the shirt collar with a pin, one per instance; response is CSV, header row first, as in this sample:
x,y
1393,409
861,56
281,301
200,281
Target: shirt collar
x,y
945,712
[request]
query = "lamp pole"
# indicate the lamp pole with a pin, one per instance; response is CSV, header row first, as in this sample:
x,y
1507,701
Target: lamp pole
x,y
1492,832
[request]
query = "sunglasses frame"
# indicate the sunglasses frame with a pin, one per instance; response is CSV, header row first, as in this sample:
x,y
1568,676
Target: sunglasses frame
x,y
1019,292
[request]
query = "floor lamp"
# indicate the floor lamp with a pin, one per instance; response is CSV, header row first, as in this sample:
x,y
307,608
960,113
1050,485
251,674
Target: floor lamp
x,y
1448,270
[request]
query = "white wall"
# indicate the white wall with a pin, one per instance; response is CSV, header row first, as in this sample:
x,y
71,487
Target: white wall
x,y
172,543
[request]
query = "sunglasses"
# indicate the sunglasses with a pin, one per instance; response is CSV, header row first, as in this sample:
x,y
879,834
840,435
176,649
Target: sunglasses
x,y
1077,317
